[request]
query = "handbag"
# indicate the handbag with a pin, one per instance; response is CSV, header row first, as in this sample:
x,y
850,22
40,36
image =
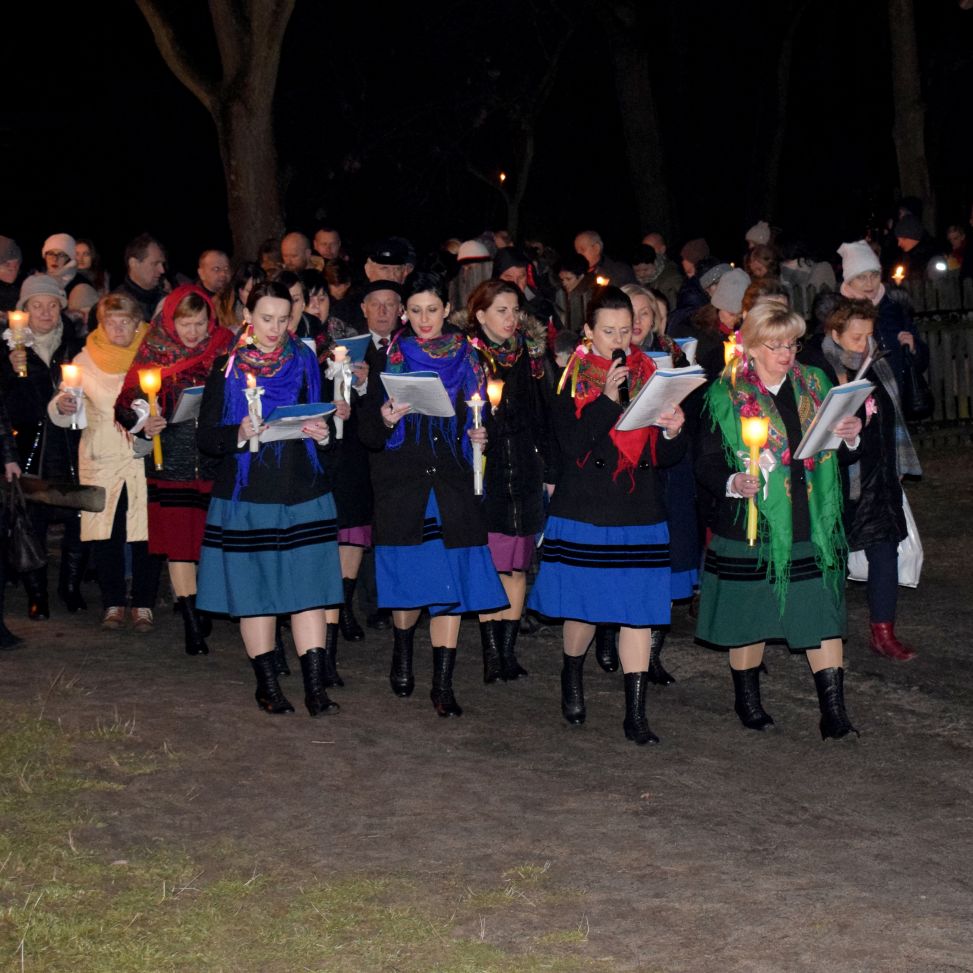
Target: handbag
x,y
21,550
917,398
910,554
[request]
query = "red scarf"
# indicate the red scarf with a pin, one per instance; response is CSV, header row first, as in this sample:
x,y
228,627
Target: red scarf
x,y
590,384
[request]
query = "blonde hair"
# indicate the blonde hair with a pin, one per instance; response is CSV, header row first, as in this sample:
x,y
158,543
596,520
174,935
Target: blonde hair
x,y
769,320
118,303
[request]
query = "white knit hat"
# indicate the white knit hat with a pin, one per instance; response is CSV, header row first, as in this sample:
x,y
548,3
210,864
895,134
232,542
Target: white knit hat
x,y
857,258
62,242
759,233
472,251
729,292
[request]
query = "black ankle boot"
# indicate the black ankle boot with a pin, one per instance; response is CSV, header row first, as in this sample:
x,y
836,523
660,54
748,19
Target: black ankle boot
x,y
195,642
330,650
746,689
657,673
269,696
572,688
830,684
35,584
401,678
489,639
280,656
636,726
74,562
441,695
510,668
351,631
313,668
606,647
204,622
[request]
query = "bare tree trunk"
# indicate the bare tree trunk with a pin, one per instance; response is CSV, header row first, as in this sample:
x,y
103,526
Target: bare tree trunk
x,y
643,142
909,128
249,36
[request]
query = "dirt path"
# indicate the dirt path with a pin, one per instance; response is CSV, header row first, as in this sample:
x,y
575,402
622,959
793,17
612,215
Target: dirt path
x,y
721,850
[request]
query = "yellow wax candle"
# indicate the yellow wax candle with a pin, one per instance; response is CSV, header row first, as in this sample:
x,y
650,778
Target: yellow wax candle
x,y
755,430
150,379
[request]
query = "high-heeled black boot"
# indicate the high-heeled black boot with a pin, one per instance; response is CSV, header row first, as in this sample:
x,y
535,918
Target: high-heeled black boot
x,y
269,696
746,689
351,631
195,642
280,656
489,640
74,562
657,673
35,584
401,678
313,668
572,688
442,697
204,622
636,726
830,684
606,647
330,650
510,668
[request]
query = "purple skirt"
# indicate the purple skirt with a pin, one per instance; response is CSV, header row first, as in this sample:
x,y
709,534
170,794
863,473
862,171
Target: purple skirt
x,y
355,536
509,552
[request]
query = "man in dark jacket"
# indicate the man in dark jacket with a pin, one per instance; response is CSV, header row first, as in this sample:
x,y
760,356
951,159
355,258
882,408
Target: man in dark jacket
x,y
145,264
590,245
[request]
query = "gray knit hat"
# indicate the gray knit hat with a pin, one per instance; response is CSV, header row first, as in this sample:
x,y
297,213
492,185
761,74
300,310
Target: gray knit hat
x,y
713,275
40,284
9,250
729,292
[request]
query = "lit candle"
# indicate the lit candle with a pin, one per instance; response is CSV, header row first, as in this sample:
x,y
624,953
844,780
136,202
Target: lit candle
x,y
17,322
898,275
503,177
495,393
730,356
755,431
151,381
71,382
476,404
602,281
253,392
340,354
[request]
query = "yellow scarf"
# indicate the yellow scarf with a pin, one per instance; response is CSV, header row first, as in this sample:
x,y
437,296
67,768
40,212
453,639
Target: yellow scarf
x,y
110,358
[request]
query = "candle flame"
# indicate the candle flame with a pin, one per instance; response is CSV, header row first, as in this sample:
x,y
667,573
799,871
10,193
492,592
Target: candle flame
x,y
602,281
755,430
503,177
899,274
340,353
476,397
70,375
17,319
495,392
251,380
730,348
150,379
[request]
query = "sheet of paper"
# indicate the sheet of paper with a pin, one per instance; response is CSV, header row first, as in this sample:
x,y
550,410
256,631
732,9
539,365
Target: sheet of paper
x,y
424,391
689,346
664,389
662,359
286,422
188,405
841,401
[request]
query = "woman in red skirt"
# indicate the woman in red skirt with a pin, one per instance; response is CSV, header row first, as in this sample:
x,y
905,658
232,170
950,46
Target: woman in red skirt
x,y
183,342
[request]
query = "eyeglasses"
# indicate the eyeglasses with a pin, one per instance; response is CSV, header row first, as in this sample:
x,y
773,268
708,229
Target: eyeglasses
x,y
58,255
793,348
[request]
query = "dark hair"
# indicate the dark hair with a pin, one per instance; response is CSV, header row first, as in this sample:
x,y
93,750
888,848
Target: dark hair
x,y
566,341
767,255
337,272
138,248
839,319
573,264
290,279
485,294
824,303
250,270
97,272
610,299
763,287
268,288
270,245
707,263
313,280
420,281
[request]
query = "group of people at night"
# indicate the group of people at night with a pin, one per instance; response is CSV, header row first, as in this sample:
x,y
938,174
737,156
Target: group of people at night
x,y
374,510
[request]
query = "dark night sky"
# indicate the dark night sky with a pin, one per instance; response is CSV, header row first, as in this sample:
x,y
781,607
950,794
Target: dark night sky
x,y
99,139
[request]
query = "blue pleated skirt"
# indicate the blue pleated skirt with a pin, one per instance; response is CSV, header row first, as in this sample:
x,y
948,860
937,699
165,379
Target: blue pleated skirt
x,y
269,558
446,580
604,575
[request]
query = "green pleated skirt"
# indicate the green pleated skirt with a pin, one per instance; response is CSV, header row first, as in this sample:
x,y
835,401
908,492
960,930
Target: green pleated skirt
x,y
738,605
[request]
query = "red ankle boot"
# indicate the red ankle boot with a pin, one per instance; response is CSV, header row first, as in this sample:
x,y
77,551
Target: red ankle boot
x,y
884,642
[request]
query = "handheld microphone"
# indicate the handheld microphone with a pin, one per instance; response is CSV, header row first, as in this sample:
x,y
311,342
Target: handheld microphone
x,y
619,355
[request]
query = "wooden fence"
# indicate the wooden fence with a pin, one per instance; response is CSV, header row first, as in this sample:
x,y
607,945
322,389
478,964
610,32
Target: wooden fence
x,y
950,340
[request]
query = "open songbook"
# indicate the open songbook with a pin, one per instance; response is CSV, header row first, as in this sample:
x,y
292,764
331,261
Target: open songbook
x,y
286,421
841,401
188,405
665,388
424,391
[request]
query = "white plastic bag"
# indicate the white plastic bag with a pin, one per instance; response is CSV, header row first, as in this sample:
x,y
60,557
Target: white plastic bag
x,y
910,554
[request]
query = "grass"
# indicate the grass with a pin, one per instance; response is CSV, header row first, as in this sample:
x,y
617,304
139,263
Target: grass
x,y
67,904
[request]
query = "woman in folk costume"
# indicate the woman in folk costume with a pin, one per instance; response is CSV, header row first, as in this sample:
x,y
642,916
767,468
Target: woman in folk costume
x,y
270,544
107,458
183,342
430,537
606,547
788,585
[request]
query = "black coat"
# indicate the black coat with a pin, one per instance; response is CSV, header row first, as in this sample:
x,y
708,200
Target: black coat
x,y
349,462
45,449
893,317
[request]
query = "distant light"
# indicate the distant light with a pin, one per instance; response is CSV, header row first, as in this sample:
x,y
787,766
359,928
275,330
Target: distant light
x,y
503,177
602,281
941,266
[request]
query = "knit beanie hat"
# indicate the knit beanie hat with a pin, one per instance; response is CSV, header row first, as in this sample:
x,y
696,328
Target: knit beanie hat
x,y
857,258
714,275
40,284
729,292
909,228
83,298
9,250
759,233
694,250
472,252
62,242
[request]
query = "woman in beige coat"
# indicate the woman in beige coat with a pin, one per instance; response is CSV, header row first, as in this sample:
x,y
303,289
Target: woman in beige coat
x,y
107,458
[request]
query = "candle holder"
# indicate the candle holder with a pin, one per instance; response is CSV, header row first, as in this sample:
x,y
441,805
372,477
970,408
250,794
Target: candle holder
x,y
150,379
253,392
755,430
339,370
476,404
71,383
